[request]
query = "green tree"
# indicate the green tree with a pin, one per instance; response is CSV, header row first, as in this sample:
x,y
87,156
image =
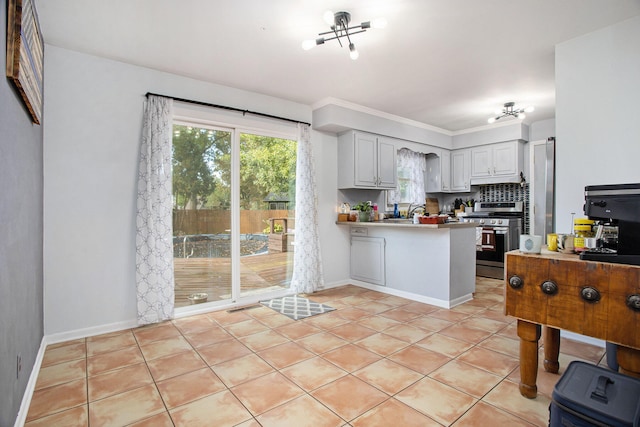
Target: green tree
x,y
196,163
267,165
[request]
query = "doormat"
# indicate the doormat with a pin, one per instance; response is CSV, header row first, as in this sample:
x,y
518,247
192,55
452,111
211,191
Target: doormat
x,y
296,307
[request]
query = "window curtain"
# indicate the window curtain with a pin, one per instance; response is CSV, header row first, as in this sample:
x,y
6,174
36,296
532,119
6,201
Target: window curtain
x,y
154,227
415,167
307,264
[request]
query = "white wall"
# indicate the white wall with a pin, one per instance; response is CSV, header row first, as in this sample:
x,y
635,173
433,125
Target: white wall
x,y
597,114
542,130
93,114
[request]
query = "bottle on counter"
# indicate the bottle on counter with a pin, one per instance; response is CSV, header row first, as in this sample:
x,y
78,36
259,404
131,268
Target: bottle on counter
x,y
375,212
396,213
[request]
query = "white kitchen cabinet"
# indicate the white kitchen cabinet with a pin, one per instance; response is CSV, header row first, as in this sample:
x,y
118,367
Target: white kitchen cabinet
x,y
368,260
497,163
461,170
366,161
438,179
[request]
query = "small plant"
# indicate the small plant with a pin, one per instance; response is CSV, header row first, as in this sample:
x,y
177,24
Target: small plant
x,y
366,211
363,207
277,228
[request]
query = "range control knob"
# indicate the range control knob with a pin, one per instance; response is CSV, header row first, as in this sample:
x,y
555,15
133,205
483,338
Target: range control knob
x,y
516,282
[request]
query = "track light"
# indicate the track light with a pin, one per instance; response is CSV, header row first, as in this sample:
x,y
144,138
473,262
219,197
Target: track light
x,y
508,111
340,28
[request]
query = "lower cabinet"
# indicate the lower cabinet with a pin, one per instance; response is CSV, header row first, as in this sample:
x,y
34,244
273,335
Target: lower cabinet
x,y
367,259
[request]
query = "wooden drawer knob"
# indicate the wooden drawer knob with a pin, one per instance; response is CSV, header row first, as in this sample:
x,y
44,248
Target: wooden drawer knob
x,y
633,302
590,294
549,287
516,282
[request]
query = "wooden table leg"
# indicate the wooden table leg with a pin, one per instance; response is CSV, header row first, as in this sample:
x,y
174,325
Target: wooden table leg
x,y
551,349
529,334
628,361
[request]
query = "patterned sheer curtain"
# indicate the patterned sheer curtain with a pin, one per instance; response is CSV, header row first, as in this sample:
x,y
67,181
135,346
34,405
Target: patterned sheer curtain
x,y
307,263
411,167
154,228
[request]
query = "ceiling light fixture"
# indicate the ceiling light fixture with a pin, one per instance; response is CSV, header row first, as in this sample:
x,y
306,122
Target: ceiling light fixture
x,y
340,28
509,110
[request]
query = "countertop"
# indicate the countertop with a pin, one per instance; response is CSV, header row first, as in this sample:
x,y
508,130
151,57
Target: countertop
x,y
408,225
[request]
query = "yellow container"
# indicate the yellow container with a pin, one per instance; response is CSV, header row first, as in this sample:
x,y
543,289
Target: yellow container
x,y
552,242
582,229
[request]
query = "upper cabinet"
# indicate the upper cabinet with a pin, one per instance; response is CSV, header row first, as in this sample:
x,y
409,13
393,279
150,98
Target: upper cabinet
x,y
461,170
366,161
438,179
497,163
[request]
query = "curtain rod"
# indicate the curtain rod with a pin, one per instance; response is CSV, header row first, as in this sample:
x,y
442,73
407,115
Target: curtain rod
x,y
224,107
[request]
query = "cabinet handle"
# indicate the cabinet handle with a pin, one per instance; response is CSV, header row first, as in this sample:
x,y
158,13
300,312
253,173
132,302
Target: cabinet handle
x,y
633,302
549,287
590,294
516,282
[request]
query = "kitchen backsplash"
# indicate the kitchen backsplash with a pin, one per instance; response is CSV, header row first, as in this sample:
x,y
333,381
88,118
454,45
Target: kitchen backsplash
x,y
507,193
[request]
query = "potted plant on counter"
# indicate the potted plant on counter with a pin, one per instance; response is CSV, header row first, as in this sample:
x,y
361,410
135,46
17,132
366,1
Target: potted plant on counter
x,y
365,211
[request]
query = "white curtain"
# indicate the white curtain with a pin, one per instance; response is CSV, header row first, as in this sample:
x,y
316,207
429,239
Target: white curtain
x,y
307,263
413,166
154,228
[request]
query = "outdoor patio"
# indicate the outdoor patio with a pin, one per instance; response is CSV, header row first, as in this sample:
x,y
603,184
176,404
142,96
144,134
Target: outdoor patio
x,y
266,271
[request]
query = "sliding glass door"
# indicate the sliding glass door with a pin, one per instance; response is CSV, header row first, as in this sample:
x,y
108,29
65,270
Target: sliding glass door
x,y
267,201
233,226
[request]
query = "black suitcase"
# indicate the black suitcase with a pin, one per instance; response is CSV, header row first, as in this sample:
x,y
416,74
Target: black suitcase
x,y
587,395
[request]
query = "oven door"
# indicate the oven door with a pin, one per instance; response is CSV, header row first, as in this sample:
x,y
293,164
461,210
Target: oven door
x,y
493,257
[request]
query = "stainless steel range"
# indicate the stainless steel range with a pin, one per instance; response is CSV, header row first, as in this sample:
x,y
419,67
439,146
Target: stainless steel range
x,y
499,225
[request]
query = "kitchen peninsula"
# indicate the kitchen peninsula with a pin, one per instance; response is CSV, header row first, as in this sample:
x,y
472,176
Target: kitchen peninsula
x,y
431,263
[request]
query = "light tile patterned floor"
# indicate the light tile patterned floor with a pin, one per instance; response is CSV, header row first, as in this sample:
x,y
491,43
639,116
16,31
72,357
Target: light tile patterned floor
x,y
378,360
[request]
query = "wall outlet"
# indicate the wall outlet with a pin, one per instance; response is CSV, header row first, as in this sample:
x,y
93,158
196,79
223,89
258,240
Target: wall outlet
x,y
18,365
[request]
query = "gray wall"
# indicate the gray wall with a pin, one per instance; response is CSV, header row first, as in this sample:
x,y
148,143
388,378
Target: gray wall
x,y
21,327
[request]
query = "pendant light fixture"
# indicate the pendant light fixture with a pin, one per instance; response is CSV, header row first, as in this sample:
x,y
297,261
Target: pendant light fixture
x,y
509,111
339,24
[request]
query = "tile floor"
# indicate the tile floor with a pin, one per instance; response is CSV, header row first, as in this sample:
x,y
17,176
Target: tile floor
x,y
378,360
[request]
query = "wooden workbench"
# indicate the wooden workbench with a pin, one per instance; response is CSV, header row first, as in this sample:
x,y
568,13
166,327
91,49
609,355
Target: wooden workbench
x,y
560,291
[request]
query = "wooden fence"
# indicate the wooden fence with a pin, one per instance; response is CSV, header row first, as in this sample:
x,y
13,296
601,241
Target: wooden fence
x,y
217,221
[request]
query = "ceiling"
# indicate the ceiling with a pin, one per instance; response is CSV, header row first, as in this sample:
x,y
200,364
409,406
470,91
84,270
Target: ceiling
x,y
445,63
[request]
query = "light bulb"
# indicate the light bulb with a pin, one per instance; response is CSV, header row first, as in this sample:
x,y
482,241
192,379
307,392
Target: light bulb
x,y
529,109
521,116
354,54
491,120
379,23
329,17
308,44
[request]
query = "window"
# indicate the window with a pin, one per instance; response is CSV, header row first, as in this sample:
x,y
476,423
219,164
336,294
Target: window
x,y
412,167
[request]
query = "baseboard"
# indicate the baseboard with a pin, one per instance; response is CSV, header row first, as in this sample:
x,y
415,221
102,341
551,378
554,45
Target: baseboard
x,y
582,338
414,297
21,419
92,331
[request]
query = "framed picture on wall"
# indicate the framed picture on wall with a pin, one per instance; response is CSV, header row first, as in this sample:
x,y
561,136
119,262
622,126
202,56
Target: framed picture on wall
x,y
25,54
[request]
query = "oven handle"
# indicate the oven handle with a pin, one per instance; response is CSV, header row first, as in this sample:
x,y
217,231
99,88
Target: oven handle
x,y
498,230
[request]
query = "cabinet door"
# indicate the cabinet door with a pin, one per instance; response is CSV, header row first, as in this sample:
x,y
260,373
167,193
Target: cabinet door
x,y
434,176
481,166
505,161
460,170
445,170
366,160
367,259
387,165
